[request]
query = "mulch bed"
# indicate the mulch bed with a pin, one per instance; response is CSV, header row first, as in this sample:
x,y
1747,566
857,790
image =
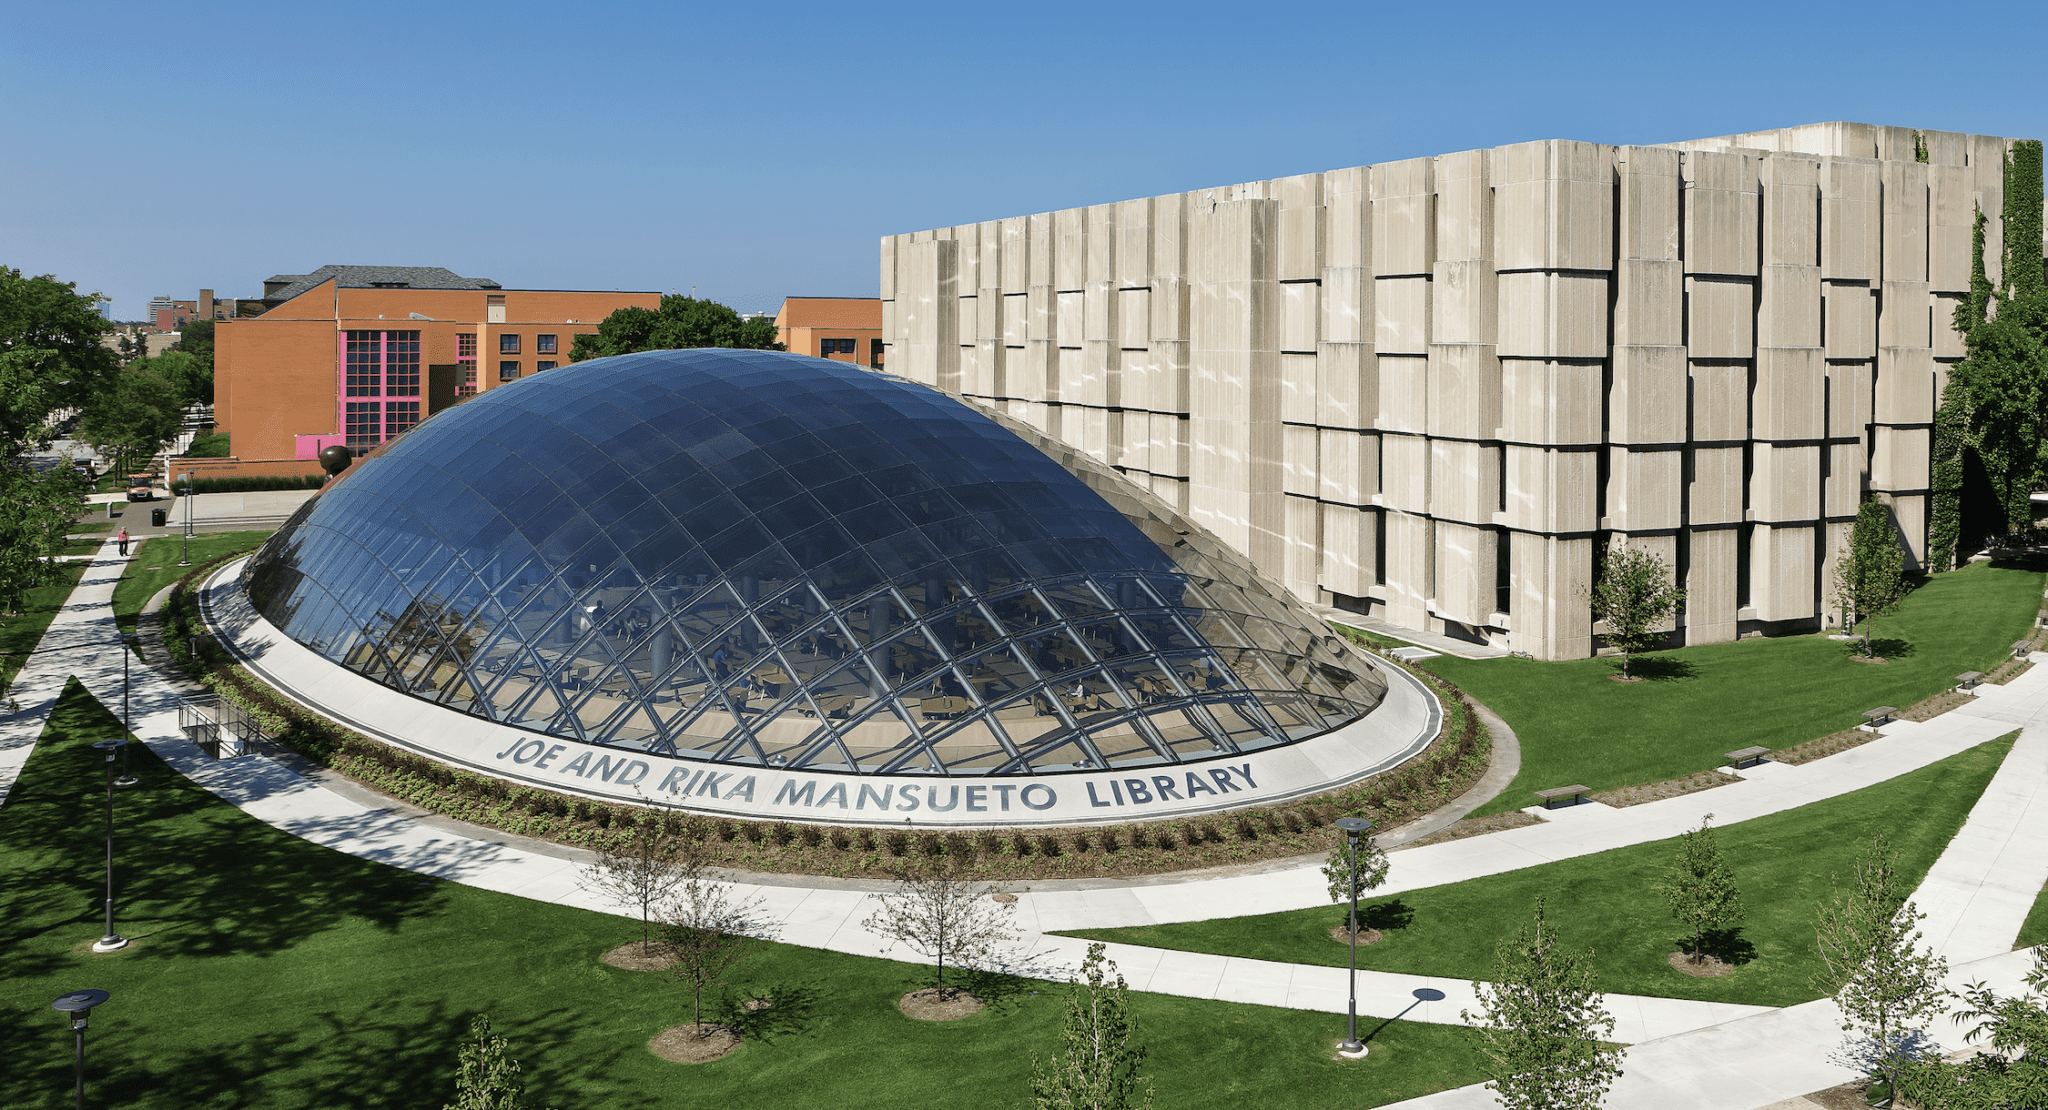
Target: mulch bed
x,y
939,1004
1624,678
1473,826
1823,746
1935,706
1871,659
1658,791
693,1044
1365,936
640,956
1709,967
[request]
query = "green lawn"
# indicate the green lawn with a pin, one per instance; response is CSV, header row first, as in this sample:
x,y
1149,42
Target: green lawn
x,y
2035,931
1577,726
156,565
19,634
1609,902
271,972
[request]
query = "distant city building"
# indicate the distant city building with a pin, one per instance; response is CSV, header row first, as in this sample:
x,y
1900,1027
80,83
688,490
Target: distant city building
x,y
844,329
166,314
357,355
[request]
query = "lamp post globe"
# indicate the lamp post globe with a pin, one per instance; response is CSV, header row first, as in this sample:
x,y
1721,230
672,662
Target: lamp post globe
x,y
1353,827
112,941
77,1006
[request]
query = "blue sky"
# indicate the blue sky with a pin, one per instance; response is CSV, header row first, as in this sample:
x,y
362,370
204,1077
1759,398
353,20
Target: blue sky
x,y
758,152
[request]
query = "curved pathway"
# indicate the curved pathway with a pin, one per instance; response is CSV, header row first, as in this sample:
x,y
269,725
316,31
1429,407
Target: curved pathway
x,y
1686,1054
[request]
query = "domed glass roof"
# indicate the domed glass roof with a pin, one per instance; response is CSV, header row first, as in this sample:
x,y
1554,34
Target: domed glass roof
x,y
769,559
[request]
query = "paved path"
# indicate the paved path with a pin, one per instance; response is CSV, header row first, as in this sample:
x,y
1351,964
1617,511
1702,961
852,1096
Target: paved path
x,y
1752,1055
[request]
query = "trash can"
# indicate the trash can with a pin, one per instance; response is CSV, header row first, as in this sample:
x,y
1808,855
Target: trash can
x,y
156,518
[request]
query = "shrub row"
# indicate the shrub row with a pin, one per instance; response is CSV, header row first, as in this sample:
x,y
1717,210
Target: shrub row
x,y
1454,760
255,484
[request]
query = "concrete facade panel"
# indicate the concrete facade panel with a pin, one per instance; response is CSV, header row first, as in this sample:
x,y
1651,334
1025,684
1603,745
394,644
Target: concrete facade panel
x,y
1465,572
1645,489
1401,310
1720,402
1548,402
1647,400
1649,302
1721,208
1553,315
1790,399
1720,317
1464,391
1849,320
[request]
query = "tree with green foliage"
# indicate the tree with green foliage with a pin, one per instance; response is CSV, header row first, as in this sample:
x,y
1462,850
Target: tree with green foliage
x,y
136,419
2013,1073
2001,386
488,1076
1701,886
1545,1030
1634,593
1869,579
192,377
1871,962
680,322
51,364
196,339
1096,1067
1372,871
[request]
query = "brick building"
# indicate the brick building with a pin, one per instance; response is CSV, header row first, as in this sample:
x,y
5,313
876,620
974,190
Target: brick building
x,y
844,329
359,354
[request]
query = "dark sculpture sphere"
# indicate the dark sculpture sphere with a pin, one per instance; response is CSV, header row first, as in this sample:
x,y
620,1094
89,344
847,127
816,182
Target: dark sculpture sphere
x,y
335,459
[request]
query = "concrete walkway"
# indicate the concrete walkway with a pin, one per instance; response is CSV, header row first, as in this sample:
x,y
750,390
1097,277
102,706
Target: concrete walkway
x,y
1693,1054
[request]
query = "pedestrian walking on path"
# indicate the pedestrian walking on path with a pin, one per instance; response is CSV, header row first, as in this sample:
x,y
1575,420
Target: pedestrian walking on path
x,y
124,542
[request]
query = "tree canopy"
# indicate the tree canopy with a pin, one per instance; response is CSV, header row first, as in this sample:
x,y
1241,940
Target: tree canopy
x,y
50,356
51,362
142,413
680,322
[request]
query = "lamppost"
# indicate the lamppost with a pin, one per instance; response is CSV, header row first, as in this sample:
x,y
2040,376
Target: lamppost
x,y
129,641
113,941
79,1004
185,558
1354,827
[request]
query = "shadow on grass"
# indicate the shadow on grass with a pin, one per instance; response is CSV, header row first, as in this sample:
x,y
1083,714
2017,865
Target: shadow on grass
x,y
1727,945
1661,668
1885,647
790,1011
183,873
1387,916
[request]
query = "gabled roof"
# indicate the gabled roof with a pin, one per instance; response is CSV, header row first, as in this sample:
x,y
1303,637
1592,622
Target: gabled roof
x,y
287,286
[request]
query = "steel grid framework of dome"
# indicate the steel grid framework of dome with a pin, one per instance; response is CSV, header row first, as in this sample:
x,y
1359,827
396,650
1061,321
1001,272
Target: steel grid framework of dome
x,y
772,560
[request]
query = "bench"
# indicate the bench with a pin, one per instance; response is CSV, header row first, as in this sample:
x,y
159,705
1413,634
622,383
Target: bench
x,y
1880,716
1969,680
1551,797
2020,648
1744,757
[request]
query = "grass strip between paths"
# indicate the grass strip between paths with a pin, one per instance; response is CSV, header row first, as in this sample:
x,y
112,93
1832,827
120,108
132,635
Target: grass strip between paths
x,y
20,633
156,566
1784,864
2035,931
268,971
1578,726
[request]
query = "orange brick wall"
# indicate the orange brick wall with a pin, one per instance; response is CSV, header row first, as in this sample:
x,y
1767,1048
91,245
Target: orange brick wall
x,y
244,468
273,379
804,321
276,375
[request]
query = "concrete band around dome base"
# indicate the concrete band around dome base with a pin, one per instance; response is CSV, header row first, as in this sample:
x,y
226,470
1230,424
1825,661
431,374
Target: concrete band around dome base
x,y
1400,728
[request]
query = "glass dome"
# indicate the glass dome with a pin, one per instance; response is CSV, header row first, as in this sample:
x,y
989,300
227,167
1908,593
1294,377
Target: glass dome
x,y
774,560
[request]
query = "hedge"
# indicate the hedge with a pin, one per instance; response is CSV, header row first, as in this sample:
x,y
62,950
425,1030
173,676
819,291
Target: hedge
x,y
253,484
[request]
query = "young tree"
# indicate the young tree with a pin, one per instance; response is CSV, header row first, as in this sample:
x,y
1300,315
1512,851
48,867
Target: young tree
x,y
1372,871
641,870
706,929
1634,594
488,1078
1544,1027
942,917
1701,887
1869,581
680,322
1870,959
1096,1067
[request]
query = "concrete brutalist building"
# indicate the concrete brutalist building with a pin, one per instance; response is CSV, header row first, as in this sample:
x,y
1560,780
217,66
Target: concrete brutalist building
x,y
1427,390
